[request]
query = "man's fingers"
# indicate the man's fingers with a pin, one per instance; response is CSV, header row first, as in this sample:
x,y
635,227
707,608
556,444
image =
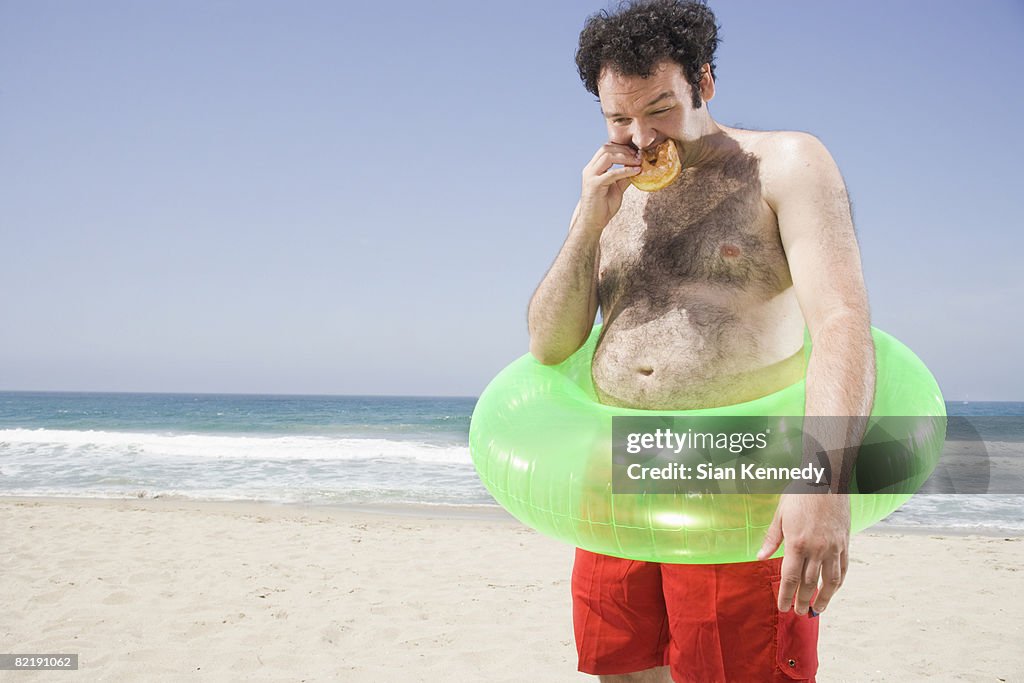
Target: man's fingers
x,y
808,582
614,175
772,539
622,184
792,571
617,174
617,149
831,580
605,159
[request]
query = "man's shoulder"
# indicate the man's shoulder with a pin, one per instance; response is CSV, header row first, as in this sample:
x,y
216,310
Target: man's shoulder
x,y
789,161
782,147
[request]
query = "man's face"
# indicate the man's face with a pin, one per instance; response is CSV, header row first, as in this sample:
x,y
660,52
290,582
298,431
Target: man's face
x,y
644,112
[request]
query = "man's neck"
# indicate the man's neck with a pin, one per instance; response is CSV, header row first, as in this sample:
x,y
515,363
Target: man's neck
x,y
709,145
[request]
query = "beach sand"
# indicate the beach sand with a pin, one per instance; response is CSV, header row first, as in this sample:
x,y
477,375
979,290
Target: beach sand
x,y
160,589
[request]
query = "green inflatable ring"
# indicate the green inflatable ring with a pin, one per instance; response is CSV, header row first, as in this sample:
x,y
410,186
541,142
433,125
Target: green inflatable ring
x,y
538,435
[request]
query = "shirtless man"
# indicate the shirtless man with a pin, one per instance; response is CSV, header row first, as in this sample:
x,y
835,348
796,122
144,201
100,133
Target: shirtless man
x,y
705,288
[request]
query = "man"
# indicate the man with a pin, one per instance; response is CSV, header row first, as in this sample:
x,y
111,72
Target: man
x,y
705,288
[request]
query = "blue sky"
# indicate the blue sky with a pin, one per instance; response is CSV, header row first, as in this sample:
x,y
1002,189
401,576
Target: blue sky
x,y
320,197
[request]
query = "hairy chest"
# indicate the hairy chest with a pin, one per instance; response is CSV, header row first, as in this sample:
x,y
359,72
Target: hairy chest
x,y
711,227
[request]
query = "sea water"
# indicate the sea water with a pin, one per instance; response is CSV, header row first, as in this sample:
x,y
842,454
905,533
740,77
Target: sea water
x,y
286,449
381,450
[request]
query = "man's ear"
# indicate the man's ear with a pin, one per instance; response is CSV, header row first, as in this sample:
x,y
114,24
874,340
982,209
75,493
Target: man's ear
x,y
707,83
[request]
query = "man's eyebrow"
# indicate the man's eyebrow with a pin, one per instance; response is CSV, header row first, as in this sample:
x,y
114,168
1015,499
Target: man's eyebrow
x,y
659,98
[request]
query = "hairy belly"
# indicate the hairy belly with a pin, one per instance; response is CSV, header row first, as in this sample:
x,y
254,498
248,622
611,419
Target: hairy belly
x,y
699,357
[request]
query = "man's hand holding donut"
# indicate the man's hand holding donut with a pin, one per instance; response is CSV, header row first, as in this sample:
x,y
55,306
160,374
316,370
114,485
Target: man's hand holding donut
x,y
603,185
649,170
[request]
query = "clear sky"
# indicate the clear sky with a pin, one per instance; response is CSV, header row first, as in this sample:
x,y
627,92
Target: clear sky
x,y
360,198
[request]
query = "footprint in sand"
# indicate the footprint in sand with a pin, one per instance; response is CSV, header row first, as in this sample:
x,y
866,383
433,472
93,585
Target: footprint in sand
x,y
51,597
118,598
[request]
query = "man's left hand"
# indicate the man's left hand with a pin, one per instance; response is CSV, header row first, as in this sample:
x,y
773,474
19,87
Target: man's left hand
x,y
816,529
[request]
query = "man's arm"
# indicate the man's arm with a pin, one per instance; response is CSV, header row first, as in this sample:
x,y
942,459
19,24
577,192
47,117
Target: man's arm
x,y
817,233
807,192
562,310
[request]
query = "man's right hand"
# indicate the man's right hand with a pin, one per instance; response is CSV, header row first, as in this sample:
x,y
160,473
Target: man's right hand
x,y
603,186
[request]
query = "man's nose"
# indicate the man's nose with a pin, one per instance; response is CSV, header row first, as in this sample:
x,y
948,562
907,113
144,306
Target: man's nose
x,y
643,136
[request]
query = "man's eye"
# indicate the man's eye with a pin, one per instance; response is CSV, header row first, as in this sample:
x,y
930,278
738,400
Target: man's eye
x,y
661,111
620,122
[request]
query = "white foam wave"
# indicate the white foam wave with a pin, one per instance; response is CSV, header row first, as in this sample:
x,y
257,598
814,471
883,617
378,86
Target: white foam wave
x,y
200,446
962,512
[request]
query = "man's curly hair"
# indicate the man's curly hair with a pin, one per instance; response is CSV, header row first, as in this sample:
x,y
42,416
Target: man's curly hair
x,y
639,34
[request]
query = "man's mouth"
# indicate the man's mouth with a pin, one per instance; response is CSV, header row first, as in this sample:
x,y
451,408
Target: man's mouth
x,y
650,154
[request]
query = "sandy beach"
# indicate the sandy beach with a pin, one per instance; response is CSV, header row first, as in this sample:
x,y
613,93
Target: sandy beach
x,y
160,589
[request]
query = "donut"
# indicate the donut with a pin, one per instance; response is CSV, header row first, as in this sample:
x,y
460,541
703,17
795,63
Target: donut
x,y
659,167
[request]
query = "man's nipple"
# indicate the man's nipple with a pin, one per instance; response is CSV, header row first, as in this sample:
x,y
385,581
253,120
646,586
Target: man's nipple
x,y
729,250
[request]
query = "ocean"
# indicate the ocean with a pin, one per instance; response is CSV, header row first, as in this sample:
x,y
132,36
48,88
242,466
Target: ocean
x,y
329,450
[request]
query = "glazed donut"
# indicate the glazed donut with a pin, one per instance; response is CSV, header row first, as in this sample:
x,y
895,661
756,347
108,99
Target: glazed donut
x,y
659,167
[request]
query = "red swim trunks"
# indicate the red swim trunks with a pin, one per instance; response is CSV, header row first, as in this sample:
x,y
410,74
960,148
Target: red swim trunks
x,y
715,623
